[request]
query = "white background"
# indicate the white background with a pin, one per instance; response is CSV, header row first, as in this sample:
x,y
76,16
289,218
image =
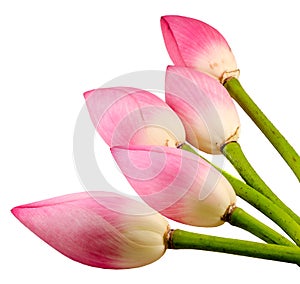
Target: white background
x,y
53,51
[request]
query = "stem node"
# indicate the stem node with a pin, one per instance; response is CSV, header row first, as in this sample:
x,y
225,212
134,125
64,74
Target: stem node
x,y
228,213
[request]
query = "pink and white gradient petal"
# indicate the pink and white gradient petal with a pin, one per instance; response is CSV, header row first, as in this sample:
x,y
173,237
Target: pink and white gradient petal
x,y
204,107
195,44
86,230
176,183
124,116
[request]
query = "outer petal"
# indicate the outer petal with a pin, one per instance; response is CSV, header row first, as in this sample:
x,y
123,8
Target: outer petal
x,y
95,230
195,44
178,184
204,106
124,116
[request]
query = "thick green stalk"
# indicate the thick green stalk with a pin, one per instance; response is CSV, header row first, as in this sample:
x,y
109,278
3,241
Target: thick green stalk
x,y
233,152
239,218
279,142
266,206
179,239
259,201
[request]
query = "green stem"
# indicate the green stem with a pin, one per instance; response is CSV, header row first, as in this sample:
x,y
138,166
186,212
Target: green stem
x,y
287,152
180,239
259,201
239,218
266,206
233,152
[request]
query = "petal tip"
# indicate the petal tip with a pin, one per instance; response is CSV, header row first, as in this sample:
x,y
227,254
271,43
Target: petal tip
x,y
16,211
164,21
87,94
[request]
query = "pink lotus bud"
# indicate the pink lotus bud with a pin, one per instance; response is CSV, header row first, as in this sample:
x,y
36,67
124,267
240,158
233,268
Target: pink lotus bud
x,y
104,230
195,44
205,108
124,116
177,183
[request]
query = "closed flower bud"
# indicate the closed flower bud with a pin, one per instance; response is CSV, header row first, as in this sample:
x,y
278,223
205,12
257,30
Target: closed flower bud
x,y
177,183
129,116
104,230
195,44
204,107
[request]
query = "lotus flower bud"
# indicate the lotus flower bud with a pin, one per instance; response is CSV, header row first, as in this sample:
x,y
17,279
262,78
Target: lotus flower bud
x,y
195,44
204,107
178,184
129,116
104,230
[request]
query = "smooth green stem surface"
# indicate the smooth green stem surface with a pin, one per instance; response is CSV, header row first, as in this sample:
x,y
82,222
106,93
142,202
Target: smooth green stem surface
x,y
279,142
233,152
266,206
240,218
180,239
259,201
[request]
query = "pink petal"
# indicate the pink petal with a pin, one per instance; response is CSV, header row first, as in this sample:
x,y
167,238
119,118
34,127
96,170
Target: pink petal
x,y
178,184
95,230
195,44
204,107
124,116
